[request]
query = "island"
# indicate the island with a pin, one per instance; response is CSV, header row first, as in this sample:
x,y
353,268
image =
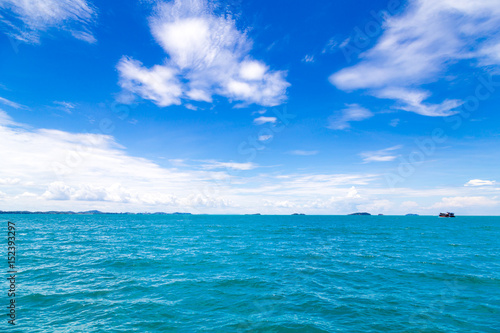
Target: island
x,y
298,214
360,213
411,215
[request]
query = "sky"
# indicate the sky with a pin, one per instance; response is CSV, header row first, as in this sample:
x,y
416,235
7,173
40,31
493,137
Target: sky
x,y
234,107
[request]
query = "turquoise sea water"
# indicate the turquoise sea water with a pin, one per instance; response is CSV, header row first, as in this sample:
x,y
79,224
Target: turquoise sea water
x,y
106,273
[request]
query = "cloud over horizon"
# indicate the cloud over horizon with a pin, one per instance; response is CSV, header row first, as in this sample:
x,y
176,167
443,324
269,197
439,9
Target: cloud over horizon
x,y
46,169
69,171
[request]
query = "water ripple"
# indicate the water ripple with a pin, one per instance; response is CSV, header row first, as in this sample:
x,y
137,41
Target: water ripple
x,y
257,274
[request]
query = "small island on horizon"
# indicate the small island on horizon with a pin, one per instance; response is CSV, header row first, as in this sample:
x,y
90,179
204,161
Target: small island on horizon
x,y
88,212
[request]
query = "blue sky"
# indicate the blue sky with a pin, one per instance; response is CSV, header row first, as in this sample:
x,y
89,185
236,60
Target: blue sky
x,y
327,107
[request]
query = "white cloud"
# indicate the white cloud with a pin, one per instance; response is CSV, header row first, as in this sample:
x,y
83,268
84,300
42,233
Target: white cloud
x,y
229,165
67,171
322,184
418,46
190,106
207,55
331,45
353,112
27,19
304,152
61,166
159,84
412,100
308,58
6,120
9,181
479,182
383,155
45,169
471,202
280,204
252,70
409,205
376,206
28,195
65,106
394,122
58,191
85,36
177,162
265,137
114,193
262,120
259,112
12,104
346,200
90,171
353,193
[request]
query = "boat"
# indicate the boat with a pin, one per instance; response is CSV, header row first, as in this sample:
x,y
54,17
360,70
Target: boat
x,y
448,214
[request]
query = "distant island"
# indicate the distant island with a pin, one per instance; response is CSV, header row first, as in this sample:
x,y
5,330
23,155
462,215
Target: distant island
x,y
298,214
88,212
411,215
362,213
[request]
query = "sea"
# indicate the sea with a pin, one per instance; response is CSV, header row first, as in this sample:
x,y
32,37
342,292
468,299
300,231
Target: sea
x,y
247,273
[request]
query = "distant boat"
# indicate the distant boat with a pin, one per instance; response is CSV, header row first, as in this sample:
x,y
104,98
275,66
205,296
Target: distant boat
x,y
448,214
